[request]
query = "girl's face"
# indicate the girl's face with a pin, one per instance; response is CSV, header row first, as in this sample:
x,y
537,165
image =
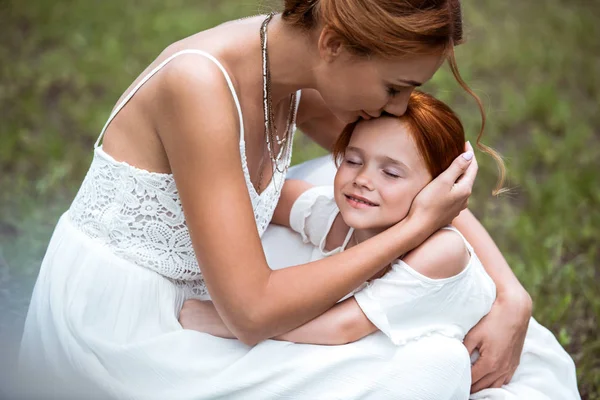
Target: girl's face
x,y
381,173
354,87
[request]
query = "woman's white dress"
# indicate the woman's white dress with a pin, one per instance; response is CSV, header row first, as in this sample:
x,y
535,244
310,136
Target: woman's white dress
x,y
102,322
103,316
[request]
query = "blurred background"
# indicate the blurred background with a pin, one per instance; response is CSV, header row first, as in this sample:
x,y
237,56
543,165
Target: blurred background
x,y
536,66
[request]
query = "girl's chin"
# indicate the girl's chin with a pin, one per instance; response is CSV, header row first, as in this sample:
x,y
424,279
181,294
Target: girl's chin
x,y
364,224
367,226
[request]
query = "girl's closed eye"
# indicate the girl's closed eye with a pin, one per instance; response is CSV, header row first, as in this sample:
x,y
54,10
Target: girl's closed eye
x,y
392,91
353,161
391,174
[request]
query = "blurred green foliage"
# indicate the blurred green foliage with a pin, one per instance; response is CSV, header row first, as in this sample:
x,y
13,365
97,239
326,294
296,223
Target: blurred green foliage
x,y
536,66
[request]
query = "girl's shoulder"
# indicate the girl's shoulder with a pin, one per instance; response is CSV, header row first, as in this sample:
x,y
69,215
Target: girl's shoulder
x,y
445,254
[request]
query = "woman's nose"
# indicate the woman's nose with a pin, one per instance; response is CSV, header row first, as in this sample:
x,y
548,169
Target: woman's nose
x,y
398,104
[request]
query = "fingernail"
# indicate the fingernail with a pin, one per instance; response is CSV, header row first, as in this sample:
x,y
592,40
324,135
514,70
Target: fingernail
x,y
468,155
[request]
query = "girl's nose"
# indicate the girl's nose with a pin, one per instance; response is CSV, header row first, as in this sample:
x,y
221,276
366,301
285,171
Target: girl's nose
x,y
362,180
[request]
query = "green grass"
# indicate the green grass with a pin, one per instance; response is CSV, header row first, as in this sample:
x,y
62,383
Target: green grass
x,y
535,64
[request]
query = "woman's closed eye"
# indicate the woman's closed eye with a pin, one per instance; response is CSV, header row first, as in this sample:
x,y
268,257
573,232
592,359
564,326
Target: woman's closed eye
x,y
392,91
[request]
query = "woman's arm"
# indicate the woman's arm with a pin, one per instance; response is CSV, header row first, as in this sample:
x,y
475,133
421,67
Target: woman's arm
x,y
441,256
491,257
201,141
500,336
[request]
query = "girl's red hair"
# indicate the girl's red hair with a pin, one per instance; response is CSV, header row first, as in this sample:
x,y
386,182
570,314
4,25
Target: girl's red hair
x,y
436,129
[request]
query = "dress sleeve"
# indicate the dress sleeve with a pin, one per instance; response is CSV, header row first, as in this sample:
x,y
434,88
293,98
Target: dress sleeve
x,y
313,213
406,305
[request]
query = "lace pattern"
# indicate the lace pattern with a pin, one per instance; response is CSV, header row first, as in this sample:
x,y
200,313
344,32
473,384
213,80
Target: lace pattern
x,y
138,216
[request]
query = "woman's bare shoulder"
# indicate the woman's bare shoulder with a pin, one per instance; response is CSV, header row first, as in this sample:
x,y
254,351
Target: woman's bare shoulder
x,y
193,87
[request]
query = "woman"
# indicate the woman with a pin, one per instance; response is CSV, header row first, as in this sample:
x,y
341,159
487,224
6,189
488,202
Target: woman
x,y
201,190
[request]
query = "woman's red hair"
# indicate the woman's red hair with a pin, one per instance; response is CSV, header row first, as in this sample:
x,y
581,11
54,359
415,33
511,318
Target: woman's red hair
x,y
393,29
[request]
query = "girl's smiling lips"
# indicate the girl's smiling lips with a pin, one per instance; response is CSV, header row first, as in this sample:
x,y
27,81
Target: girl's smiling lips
x,y
359,201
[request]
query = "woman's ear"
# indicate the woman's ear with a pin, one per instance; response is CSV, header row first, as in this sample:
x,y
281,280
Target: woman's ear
x,y
330,44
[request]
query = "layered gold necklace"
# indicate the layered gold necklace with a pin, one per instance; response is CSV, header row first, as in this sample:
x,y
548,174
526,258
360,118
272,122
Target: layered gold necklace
x,y
279,148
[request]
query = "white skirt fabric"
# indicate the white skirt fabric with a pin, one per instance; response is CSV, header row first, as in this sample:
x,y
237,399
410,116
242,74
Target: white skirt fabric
x,y
101,327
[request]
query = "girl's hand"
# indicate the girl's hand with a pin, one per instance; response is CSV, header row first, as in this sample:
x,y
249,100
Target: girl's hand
x,y
499,338
447,195
202,316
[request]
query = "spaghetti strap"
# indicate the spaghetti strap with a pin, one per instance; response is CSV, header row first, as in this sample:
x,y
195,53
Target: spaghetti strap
x,y
452,228
155,70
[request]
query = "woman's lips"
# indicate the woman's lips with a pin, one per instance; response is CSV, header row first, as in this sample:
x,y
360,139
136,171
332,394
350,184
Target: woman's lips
x,y
364,115
359,202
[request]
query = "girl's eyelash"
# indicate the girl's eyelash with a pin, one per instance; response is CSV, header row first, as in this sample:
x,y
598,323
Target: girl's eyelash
x,y
392,91
391,175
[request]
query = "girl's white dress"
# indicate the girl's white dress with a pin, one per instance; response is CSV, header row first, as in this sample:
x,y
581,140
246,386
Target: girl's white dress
x,y
103,316
404,304
546,370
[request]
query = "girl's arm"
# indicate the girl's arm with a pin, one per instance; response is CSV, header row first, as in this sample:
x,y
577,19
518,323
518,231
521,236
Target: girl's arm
x,y
343,323
198,125
292,189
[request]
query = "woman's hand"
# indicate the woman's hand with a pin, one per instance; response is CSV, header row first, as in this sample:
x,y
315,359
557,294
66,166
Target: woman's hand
x,y
447,195
499,338
202,316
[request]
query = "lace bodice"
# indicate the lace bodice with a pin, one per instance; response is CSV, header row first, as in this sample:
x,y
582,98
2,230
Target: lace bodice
x,y
137,214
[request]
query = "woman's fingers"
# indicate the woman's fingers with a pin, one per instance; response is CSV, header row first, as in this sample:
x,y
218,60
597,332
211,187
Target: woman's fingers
x,y
447,195
458,167
491,380
467,180
472,341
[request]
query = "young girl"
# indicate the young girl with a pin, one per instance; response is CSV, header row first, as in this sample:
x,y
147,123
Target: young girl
x,y
438,289
441,286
